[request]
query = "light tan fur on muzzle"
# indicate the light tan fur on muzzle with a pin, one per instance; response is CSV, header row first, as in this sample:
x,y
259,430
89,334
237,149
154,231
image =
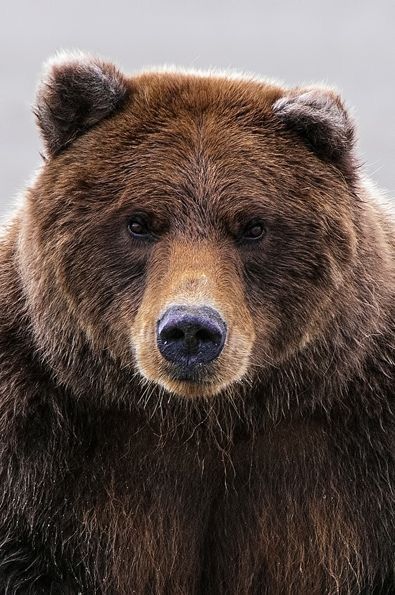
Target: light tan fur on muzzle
x,y
194,274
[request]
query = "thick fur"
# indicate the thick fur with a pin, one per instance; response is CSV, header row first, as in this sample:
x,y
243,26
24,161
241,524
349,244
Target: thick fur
x,y
75,93
319,117
279,477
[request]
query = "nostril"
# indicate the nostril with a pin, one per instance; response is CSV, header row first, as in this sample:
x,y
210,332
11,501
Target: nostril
x,y
172,334
190,336
205,335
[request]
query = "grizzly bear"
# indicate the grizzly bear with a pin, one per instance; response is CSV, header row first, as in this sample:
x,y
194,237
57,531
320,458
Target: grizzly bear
x,y
196,344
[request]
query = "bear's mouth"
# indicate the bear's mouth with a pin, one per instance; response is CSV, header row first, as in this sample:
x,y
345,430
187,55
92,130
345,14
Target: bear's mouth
x,y
202,374
203,381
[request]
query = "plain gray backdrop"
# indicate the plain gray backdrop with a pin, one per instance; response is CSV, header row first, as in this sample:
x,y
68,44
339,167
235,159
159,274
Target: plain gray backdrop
x,y
346,43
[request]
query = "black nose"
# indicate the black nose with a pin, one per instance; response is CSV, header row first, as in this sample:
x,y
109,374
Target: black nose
x,y
189,336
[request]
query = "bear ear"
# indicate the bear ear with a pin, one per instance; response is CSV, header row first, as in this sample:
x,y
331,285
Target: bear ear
x,y
75,93
318,115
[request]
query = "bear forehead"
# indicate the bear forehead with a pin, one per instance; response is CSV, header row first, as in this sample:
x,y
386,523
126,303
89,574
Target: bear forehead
x,y
187,109
187,157
187,119
182,121
187,139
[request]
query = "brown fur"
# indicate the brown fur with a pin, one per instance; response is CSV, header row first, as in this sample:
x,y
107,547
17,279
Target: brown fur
x,y
275,473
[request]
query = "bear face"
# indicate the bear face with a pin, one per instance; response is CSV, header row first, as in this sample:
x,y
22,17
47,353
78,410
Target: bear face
x,y
182,193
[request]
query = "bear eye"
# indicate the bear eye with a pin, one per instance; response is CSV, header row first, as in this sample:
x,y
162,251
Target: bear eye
x,y
138,227
254,230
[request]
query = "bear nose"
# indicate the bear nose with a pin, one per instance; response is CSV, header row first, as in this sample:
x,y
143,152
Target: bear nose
x,y
189,335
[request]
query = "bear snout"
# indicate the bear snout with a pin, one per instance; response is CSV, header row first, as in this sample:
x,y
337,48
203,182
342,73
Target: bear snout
x,y
188,336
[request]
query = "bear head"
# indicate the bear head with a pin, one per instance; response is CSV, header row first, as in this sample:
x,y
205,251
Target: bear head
x,y
193,229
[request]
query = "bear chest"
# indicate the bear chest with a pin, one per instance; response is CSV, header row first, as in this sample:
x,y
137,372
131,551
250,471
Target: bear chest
x,y
253,519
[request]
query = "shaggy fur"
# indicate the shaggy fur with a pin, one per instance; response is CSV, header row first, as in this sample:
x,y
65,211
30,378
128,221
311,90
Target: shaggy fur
x,y
74,95
275,473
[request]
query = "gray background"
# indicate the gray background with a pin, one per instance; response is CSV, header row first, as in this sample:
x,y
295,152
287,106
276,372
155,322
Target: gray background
x,y
346,43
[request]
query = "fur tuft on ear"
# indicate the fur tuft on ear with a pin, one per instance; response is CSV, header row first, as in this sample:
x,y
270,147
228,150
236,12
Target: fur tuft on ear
x,y
318,115
75,93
